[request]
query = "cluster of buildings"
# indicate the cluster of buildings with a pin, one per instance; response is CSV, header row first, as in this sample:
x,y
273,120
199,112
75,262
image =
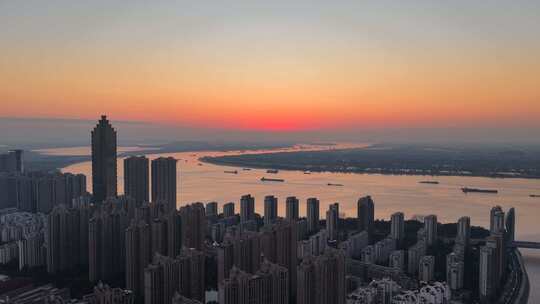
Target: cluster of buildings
x,y
12,162
22,238
166,254
40,191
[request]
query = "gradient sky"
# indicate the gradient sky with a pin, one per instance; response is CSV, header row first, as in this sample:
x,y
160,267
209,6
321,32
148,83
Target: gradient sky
x,y
274,65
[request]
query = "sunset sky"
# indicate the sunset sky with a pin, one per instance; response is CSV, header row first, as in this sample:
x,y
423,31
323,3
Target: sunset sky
x,y
274,65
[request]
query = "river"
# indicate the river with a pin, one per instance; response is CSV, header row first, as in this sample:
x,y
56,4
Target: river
x,y
202,182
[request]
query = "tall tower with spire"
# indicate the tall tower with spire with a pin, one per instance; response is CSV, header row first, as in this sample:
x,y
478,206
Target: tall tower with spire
x,y
103,161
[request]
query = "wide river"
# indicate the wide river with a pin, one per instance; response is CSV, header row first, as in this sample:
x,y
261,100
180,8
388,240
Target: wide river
x,y
202,182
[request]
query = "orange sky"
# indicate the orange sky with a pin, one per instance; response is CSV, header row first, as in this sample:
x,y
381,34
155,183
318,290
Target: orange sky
x,y
271,73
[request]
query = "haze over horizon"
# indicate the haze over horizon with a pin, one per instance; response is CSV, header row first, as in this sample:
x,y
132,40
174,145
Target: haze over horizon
x,y
253,70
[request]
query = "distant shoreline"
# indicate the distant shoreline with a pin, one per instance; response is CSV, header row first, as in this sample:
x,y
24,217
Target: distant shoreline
x,y
291,167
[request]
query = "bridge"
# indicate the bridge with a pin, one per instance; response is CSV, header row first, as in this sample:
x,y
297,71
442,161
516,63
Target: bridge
x,y
525,244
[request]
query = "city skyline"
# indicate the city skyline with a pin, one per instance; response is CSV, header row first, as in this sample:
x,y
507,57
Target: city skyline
x,y
269,152
162,252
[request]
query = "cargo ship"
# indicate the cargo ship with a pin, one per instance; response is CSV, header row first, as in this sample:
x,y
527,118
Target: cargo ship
x,y
231,172
264,179
273,171
467,190
429,182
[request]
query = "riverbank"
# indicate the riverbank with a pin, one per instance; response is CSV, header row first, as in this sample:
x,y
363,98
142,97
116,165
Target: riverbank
x,y
397,160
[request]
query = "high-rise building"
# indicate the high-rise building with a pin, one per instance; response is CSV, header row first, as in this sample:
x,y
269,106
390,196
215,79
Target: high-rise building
x,y
269,285
486,278
242,249
397,260
270,209
355,243
369,255
106,241
136,178
59,239
307,281
312,210
103,161
138,255
291,208
31,251
12,162
496,220
211,209
166,276
279,245
464,230
153,284
247,208
332,221
366,214
414,254
228,210
496,241
430,228
455,271
193,226
510,224
321,280
164,181
159,238
174,233
426,270
192,274
397,230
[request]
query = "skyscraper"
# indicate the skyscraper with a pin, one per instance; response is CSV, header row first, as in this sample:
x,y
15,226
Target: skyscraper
x,y
242,249
312,210
192,273
321,279
211,209
485,279
228,210
138,255
106,243
136,178
510,224
174,233
270,209
279,245
464,230
397,230
193,226
269,285
247,208
332,220
430,228
455,271
164,181
61,240
12,161
426,269
291,208
103,161
366,214
496,220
